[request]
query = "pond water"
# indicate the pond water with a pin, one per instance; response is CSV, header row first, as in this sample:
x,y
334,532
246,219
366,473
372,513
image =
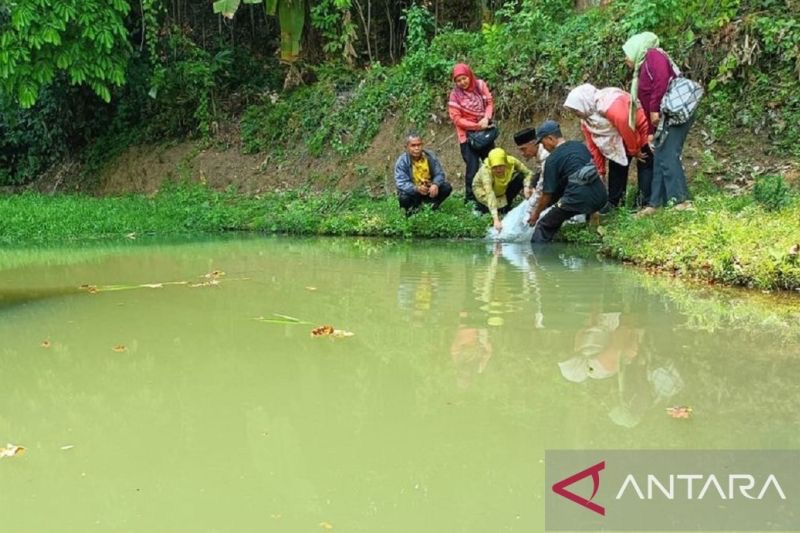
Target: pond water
x,y
158,402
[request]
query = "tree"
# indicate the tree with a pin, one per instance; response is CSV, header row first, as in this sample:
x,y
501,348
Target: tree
x,y
85,39
291,15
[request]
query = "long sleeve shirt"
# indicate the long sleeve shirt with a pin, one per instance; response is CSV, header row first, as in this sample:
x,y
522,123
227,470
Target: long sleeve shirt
x,y
655,73
617,115
403,176
465,121
491,191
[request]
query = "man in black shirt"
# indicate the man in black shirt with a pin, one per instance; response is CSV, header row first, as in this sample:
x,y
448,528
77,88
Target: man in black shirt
x,y
570,181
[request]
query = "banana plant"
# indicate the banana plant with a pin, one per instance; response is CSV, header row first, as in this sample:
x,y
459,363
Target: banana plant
x,y
291,17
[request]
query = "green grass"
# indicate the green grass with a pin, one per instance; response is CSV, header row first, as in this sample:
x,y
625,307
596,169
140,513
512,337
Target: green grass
x,y
727,240
180,210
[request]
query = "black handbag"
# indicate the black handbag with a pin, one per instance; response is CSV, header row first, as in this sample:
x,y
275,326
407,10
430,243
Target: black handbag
x,y
482,139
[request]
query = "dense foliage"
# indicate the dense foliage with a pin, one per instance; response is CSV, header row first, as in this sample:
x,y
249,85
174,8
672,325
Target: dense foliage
x,y
533,51
187,70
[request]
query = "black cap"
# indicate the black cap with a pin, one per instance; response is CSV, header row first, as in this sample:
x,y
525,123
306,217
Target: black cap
x,y
548,127
525,136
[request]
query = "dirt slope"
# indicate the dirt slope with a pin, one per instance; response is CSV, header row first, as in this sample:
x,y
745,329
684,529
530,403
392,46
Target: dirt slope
x,y
221,164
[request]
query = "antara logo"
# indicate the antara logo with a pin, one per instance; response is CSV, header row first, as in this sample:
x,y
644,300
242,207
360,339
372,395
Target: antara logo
x,y
594,471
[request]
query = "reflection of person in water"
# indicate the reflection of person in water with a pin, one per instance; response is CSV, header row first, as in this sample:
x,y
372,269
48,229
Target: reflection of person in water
x,y
606,347
417,291
470,350
492,293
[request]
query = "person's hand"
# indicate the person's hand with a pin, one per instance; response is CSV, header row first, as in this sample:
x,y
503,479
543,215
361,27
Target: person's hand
x,y
650,140
534,218
498,224
641,156
526,192
655,116
483,123
423,189
433,191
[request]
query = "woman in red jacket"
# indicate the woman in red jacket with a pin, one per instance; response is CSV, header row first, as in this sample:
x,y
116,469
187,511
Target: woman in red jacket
x,y
471,108
652,71
604,121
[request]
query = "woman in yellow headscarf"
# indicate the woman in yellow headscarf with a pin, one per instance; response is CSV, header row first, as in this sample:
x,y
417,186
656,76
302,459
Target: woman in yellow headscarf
x,y
498,181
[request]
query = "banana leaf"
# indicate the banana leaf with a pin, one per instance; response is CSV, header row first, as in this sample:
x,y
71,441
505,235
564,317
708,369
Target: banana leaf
x,y
291,15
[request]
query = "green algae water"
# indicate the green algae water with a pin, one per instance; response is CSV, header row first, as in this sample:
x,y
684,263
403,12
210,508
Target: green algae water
x,y
176,387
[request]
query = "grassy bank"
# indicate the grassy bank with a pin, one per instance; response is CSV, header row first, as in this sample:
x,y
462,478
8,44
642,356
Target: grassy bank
x,y
751,240
747,240
33,218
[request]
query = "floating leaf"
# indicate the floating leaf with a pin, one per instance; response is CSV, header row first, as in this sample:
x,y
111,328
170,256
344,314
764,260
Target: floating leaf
x,y
67,447
312,289
680,411
326,525
45,344
11,450
321,331
330,331
119,348
281,319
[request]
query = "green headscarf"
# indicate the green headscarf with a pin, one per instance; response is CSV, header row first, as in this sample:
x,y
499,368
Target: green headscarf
x,y
635,49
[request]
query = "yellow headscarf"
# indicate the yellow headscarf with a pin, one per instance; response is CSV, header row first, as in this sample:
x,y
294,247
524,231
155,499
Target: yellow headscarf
x,y
497,157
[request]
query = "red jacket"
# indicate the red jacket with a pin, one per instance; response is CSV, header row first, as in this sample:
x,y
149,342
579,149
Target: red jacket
x,y
617,115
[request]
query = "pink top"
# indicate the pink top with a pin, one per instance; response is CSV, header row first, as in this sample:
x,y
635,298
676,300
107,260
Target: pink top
x,y
468,107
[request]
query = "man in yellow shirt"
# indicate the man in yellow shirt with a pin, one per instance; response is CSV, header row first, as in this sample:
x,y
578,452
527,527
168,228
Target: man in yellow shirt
x,y
498,181
419,177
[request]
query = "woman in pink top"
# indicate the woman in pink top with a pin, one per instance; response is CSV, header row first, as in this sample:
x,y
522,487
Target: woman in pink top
x,y
604,121
652,71
471,109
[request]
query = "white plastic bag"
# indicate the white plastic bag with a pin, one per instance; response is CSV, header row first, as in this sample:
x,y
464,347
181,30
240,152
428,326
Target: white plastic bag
x,y
515,225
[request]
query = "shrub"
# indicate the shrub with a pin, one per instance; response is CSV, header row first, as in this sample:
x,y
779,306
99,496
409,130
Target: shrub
x,y
772,192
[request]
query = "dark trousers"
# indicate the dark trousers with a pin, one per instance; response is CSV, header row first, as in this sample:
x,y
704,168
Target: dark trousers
x,y
412,202
512,190
550,223
473,160
618,179
669,179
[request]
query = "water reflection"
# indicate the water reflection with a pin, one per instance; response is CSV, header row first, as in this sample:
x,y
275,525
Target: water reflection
x,y
468,361
612,345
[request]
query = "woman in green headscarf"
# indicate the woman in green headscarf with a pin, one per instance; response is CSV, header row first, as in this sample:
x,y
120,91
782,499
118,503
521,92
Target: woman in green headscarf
x,y
635,50
653,70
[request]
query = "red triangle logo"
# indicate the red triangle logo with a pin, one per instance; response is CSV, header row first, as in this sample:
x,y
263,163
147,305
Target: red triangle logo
x,y
560,488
